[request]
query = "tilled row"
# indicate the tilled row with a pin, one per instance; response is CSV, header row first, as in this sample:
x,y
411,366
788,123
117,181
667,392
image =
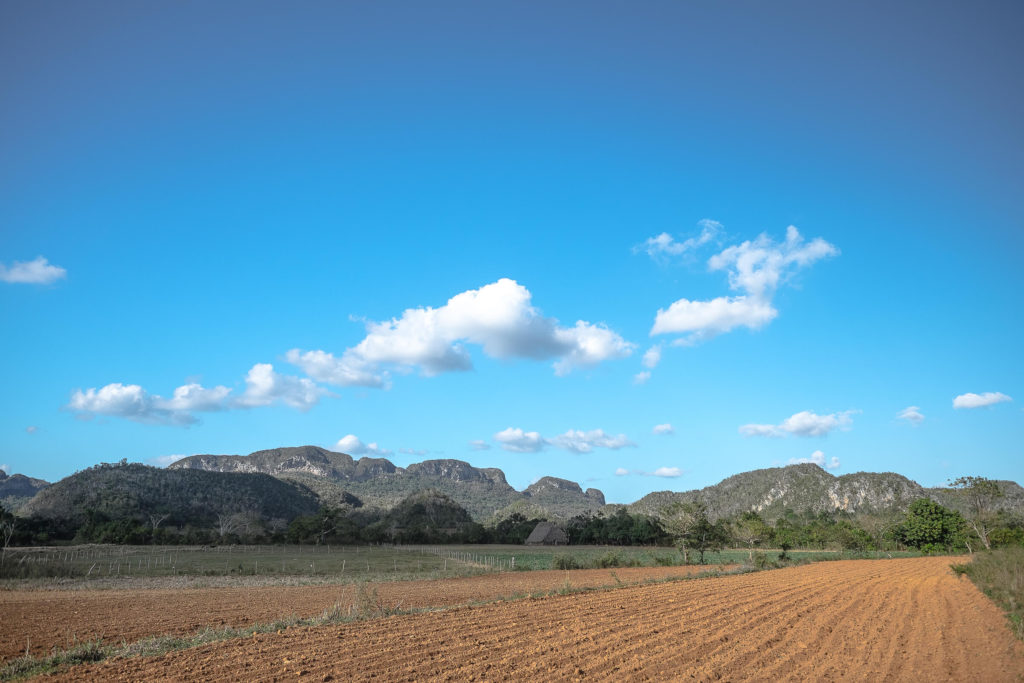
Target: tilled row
x,y
866,620
42,620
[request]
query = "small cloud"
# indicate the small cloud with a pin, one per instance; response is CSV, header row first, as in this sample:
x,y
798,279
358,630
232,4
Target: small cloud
x,y
804,423
663,247
663,429
479,445
6,468
817,458
989,398
31,429
911,414
516,440
642,377
264,386
670,472
351,444
579,441
165,460
37,272
652,357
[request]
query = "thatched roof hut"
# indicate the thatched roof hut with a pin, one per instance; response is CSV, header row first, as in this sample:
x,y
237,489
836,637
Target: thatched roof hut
x,y
547,533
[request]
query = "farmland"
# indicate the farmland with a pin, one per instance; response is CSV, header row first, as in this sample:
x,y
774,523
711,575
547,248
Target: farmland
x,y
879,619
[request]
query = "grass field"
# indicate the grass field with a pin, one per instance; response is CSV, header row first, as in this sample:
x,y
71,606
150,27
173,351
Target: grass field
x,y
340,563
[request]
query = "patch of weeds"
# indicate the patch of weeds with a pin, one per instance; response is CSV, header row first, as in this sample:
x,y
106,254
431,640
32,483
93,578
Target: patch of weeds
x,y
1000,575
565,562
24,667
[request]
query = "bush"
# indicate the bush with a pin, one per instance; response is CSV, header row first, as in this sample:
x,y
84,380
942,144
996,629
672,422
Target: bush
x,y
564,562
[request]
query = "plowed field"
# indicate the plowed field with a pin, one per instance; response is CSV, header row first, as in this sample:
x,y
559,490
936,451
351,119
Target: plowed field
x,y
42,619
888,620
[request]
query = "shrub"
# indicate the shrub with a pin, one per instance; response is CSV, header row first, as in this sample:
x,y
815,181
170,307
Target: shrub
x,y
564,562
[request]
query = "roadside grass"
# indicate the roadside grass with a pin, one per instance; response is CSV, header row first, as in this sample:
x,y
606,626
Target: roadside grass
x,y
1000,575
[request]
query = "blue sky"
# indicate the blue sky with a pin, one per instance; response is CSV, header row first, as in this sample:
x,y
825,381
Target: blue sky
x,y
521,235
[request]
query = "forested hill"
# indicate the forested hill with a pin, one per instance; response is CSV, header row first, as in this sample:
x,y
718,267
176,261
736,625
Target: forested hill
x,y
134,492
17,489
484,492
808,487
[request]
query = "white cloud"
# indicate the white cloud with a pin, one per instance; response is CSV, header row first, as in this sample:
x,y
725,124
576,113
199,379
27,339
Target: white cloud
x,y
165,460
669,472
579,441
662,247
479,445
498,317
31,429
804,423
817,458
347,371
755,268
264,386
191,397
911,414
351,444
705,319
652,357
663,429
574,440
516,440
642,377
132,402
989,398
6,468
760,430
129,401
36,272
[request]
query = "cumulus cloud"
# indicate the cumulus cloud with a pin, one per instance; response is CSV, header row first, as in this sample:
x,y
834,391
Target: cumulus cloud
x,y
264,386
662,247
499,318
755,268
129,401
663,429
31,429
165,460
642,377
479,445
351,444
804,423
347,371
817,458
579,441
574,440
516,440
989,398
911,414
36,272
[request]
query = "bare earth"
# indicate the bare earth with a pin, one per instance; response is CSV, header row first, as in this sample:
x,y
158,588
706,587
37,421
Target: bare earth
x,y
43,619
885,620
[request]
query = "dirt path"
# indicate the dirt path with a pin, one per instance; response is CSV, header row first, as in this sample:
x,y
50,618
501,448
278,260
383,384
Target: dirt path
x,y
894,620
43,619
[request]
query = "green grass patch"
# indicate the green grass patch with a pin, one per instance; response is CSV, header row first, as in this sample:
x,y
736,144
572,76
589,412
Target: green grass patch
x,y
1000,575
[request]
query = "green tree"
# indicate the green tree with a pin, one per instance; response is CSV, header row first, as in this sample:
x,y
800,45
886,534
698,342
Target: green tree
x,y
930,527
